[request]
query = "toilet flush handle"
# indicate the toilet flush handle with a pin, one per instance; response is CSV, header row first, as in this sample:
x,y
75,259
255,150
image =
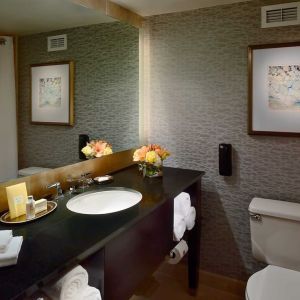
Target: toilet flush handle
x,y
255,217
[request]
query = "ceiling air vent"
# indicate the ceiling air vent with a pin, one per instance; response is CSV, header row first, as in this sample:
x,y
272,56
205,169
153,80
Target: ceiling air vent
x,y
57,42
280,15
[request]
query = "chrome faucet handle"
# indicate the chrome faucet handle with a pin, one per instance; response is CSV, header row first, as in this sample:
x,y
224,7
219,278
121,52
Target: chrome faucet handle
x,y
72,181
84,181
57,186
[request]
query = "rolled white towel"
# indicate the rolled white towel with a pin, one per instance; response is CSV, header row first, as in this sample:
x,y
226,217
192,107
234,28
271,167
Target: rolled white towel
x,y
190,218
89,293
182,203
10,257
5,238
69,286
179,227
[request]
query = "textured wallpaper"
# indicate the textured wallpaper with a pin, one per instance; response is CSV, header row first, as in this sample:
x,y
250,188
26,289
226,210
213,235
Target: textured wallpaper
x,y
198,99
106,60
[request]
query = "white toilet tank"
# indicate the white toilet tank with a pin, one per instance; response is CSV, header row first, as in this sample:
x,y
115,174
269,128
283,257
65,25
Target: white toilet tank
x,y
275,232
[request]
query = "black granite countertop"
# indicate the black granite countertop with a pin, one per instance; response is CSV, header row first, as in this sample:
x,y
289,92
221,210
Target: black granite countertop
x,y
64,238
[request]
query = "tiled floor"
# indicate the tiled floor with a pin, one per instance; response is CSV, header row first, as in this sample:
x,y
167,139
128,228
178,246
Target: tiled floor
x,y
169,282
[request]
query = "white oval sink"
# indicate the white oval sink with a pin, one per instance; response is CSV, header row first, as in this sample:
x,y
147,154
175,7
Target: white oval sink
x,y
105,201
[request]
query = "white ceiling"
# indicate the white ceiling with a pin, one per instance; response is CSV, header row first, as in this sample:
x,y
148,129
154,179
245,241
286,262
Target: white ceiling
x,y
33,16
157,7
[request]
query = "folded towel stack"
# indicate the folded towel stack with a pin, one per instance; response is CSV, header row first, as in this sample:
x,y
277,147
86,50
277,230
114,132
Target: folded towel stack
x,y
184,215
73,285
89,293
179,227
190,218
5,238
9,248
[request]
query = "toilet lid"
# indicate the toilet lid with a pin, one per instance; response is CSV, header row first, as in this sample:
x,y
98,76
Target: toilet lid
x,y
31,171
274,283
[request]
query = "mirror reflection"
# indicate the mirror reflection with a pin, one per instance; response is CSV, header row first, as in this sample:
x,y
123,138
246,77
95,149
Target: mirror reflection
x,y
105,53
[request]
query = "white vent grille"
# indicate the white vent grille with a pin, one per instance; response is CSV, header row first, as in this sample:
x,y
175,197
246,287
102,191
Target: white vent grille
x,y
280,15
57,42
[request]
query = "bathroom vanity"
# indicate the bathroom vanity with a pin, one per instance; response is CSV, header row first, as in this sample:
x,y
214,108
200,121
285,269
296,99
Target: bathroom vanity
x,y
118,250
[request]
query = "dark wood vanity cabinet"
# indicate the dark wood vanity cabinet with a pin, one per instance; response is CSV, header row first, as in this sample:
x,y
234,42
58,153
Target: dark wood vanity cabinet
x,y
137,253
118,250
127,260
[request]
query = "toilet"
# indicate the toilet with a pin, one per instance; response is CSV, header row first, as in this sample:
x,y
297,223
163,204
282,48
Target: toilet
x,y
31,171
275,238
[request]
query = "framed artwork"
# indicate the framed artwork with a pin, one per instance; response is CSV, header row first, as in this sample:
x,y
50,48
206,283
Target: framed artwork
x,y
52,93
274,89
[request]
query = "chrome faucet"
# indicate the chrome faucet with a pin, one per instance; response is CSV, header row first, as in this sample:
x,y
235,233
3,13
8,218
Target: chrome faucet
x,y
59,192
84,181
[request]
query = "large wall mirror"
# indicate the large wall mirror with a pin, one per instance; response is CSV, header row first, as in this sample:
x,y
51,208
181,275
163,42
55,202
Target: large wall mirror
x,y
105,53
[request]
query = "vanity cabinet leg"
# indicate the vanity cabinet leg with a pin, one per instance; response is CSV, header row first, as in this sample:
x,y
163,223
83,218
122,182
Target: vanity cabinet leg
x,y
193,260
194,237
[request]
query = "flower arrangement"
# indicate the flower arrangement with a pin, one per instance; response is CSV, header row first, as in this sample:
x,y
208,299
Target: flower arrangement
x,y
96,148
150,159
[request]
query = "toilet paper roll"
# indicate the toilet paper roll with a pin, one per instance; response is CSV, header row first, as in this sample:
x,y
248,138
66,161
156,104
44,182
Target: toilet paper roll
x,y
177,253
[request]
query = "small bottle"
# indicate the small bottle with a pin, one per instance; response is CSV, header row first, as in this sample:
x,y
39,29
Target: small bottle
x,y
30,208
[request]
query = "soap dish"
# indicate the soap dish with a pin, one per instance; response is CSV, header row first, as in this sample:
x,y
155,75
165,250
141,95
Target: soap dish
x,y
5,218
103,179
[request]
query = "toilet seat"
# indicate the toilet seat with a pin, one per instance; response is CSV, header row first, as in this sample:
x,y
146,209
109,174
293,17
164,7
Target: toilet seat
x,y
274,283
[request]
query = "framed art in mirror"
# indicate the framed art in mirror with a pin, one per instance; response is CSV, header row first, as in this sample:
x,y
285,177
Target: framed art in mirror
x,y
52,93
274,89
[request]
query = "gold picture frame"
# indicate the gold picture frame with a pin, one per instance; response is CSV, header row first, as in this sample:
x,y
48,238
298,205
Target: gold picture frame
x,y
273,105
52,93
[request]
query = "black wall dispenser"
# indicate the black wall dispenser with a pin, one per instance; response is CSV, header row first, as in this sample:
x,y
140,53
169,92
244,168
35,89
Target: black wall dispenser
x,y
225,159
83,139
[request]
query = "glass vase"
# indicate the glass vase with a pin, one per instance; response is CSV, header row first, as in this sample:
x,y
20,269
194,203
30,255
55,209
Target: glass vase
x,y
151,170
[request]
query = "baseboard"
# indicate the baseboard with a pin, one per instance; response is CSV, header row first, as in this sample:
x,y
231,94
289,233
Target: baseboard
x,y
227,284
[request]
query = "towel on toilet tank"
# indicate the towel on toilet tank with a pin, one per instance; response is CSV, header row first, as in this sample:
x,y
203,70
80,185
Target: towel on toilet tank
x,y
69,286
